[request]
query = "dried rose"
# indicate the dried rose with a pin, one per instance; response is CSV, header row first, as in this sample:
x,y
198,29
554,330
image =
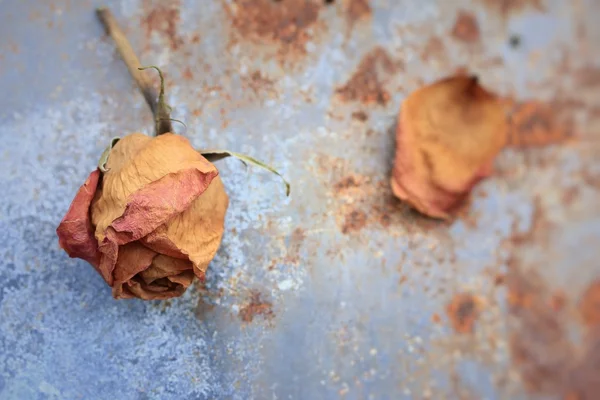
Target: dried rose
x,y
152,221
447,138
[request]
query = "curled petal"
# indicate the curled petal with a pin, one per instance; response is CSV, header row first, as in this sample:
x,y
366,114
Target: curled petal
x,y
75,231
447,138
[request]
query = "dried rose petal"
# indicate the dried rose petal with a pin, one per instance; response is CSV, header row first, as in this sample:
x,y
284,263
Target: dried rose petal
x,y
447,138
155,221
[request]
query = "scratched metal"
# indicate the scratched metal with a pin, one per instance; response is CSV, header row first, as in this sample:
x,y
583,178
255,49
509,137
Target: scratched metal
x,y
358,310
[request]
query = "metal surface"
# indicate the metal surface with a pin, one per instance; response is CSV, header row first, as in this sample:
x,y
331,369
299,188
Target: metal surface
x,y
338,291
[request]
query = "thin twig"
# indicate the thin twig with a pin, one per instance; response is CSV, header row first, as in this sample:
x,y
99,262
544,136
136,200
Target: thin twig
x,y
106,17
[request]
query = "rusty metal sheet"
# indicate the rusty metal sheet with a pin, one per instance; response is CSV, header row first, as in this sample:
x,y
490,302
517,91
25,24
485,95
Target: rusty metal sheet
x,y
339,291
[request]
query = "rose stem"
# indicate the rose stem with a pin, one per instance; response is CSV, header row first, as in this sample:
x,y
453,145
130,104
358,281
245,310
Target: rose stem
x,y
160,110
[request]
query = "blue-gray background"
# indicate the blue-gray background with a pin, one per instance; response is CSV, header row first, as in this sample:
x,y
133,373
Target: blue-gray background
x,y
352,310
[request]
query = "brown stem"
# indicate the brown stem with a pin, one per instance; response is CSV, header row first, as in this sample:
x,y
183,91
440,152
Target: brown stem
x,y
159,108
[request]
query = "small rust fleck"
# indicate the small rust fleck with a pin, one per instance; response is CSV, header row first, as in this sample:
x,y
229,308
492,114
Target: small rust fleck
x,y
506,7
163,18
434,50
195,38
256,307
466,28
296,240
533,123
588,77
367,83
356,10
354,221
436,319
360,116
187,74
499,279
463,311
558,301
348,182
589,306
203,308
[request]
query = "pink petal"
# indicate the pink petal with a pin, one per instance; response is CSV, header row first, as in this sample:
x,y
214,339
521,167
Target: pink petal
x,y
75,231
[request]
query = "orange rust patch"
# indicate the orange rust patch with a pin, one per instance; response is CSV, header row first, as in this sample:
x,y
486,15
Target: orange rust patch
x,y
589,306
256,307
533,123
354,221
286,23
367,83
506,7
466,28
163,19
436,319
463,311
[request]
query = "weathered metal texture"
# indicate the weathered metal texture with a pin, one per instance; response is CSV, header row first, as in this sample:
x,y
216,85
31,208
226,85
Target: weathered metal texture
x,y
338,291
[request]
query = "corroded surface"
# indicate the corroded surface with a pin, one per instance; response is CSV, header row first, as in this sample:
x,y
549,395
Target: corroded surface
x,y
339,290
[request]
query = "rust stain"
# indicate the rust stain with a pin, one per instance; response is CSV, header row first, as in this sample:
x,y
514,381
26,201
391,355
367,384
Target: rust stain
x,y
354,221
434,49
436,319
296,242
360,116
549,360
284,23
533,123
588,77
349,181
589,306
507,7
202,309
466,27
374,199
187,74
256,307
356,10
163,18
463,311
259,84
367,83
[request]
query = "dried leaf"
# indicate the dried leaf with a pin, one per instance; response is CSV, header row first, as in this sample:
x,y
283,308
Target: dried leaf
x,y
215,155
106,154
447,138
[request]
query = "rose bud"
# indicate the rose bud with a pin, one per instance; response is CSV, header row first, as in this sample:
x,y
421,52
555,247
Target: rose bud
x,y
152,221
447,138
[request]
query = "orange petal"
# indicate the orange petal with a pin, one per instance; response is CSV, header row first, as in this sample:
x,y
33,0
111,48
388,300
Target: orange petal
x,y
447,137
133,259
75,231
165,278
197,232
138,167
